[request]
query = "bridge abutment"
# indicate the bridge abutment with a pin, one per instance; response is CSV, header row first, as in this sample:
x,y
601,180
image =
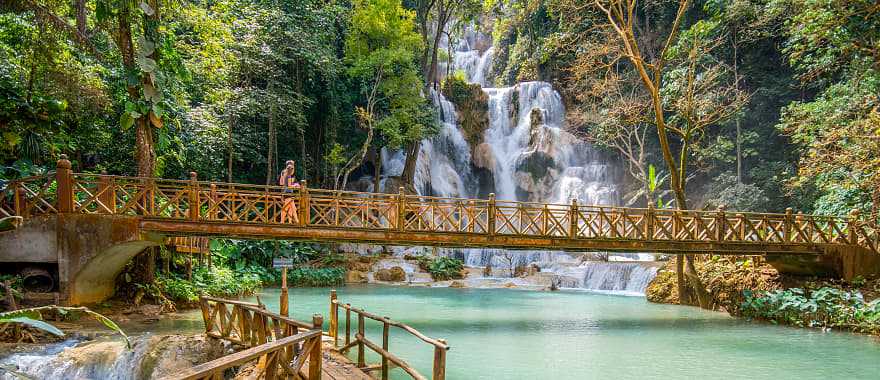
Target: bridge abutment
x,y
837,261
89,250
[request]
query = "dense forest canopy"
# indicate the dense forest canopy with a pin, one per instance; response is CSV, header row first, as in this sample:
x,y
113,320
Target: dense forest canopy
x,y
765,104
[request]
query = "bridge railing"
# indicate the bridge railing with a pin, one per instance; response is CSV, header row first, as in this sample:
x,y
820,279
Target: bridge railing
x,y
361,342
280,344
196,200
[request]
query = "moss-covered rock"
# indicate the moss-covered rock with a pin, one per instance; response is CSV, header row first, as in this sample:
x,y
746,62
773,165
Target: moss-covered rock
x,y
394,274
471,105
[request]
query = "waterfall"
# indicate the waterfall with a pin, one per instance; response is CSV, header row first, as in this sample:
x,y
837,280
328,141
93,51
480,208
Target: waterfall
x,y
531,157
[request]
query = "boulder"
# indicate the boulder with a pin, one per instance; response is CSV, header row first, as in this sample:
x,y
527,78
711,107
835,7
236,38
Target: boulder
x,y
393,274
355,277
457,284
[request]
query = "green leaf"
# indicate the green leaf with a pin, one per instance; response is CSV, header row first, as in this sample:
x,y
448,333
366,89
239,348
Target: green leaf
x,y
147,64
126,121
34,323
110,325
145,47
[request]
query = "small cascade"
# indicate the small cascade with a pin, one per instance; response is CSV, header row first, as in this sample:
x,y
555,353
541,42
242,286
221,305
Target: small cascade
x,y
150,357
620,275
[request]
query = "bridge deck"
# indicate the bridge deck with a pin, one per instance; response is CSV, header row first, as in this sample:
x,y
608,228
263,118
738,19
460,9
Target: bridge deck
x,y
335,366
176,207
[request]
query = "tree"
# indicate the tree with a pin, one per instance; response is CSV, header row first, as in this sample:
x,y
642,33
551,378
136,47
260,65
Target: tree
x,y
834,47
380,51
696,95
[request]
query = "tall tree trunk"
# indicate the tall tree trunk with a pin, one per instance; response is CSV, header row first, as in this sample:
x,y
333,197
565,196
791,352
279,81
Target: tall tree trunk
x,y
270,142
409,165
377,172
80,9
230,148
739,175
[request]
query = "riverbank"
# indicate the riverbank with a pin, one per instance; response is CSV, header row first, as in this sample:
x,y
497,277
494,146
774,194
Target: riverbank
x,y
748,288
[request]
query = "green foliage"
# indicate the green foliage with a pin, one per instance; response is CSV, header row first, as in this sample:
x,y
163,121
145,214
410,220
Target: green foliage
x,y
33,317
825,307
440,267
380,51
217,282
316,276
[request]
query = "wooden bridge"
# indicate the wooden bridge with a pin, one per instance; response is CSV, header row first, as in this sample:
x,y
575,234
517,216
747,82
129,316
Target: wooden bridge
x,y
193,207
275,346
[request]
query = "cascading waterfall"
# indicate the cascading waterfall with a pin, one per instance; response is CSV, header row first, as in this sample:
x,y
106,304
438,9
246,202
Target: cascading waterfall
x,y
532,159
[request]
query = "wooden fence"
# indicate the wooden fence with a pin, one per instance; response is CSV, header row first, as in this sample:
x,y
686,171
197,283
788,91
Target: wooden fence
x,y
361,342
262,206
279,344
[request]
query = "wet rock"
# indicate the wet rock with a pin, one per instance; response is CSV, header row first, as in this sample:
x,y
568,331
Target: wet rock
x,y
457,284
393,274
355,277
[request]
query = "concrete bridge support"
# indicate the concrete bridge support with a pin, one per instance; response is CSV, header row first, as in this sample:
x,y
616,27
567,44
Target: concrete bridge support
x,y
838,261
89,250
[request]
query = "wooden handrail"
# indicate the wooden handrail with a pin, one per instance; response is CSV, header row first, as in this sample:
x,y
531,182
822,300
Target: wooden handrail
x,y
260,331
403,326
210,369
360,341
451,221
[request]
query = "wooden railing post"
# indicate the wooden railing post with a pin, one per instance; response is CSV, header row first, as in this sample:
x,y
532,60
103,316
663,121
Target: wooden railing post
x,y
401,209
385,328
799,222
107,192
720,224
347,324
786,229
573,219
439,372
490,213
362,362
194,204
334,318
649,222
315,354
19,200
212,205
283,304
854,226
305,208
64,181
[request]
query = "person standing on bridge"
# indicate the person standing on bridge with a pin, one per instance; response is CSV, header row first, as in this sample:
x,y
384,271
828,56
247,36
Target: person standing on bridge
x,y
288,181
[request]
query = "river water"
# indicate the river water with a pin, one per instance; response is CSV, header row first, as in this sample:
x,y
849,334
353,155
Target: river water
x,y
510,334
514,334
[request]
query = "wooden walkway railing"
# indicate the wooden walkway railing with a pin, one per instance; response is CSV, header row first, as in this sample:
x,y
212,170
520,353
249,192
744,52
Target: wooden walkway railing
x,y
280,345
360,341
194,207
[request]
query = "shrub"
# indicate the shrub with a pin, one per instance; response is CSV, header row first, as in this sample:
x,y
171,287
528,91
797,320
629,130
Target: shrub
x,y
825,307
441,268
217,281
316,276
